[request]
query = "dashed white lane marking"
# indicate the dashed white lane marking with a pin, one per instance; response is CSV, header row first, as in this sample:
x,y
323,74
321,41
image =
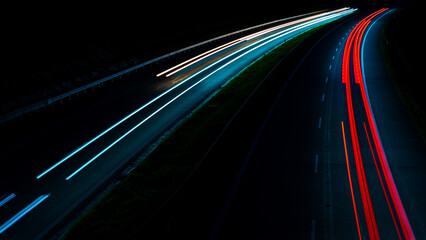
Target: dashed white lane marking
x,y
316,164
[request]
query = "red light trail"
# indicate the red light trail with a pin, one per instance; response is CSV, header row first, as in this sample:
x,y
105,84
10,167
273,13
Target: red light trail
x,y
353,46
350,183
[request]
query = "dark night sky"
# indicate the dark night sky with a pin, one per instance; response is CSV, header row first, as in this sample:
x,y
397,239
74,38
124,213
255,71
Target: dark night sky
x,y
73,21
64,22
35,33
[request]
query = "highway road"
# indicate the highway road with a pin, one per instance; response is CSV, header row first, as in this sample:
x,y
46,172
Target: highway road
x,y
47,175
337,158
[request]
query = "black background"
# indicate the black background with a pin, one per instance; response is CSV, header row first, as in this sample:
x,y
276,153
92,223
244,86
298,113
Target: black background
x,y
44,42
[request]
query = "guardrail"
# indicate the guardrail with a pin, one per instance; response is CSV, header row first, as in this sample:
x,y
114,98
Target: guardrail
x,y
46,102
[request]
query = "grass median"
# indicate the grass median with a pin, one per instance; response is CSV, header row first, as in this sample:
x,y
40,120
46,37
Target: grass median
x,y
133,201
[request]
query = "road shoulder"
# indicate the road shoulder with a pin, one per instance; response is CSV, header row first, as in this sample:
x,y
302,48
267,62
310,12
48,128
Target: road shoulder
x,y
403,145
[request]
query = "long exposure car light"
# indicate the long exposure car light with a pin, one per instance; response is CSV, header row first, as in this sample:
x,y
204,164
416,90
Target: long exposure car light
x,y
271,38
281,34
204,55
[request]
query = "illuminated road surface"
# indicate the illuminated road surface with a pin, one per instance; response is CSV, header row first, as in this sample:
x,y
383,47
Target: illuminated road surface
x,y
329,163
396,209
57,170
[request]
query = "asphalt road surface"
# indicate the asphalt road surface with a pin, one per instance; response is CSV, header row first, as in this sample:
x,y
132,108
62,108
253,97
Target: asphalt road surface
x,y
304,179
51,171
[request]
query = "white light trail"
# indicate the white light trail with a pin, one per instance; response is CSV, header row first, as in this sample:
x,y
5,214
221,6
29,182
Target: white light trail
x,y
271,38
204,55
179,84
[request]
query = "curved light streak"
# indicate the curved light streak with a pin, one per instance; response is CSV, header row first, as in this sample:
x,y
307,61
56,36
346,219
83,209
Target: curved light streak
x,y
260,41
287,31
356,41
